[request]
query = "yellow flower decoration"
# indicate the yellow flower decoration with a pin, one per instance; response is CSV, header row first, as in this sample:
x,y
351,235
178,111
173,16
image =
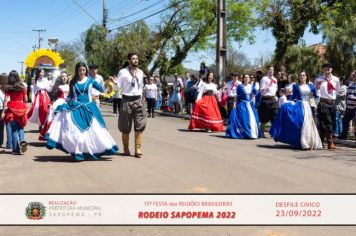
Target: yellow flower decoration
x,y
42,55
109,88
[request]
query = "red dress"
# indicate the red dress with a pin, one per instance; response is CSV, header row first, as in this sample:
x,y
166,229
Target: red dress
x,y
39,109
49,119
16,108
206,113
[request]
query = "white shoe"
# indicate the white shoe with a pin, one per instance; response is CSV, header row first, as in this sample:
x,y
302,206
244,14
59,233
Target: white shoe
x,y
114,115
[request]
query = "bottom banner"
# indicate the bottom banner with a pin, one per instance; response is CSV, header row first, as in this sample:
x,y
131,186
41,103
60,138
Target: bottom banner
x,y
177,209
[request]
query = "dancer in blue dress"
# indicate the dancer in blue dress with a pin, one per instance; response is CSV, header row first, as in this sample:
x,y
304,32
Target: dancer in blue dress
x,y
244,122
78,127
294,123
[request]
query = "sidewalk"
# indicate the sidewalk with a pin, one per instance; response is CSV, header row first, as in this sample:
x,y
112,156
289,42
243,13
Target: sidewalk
x,y
349,143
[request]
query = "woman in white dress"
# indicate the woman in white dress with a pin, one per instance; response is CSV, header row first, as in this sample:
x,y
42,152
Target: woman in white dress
x,y
58,97
294,123
78,127
39,109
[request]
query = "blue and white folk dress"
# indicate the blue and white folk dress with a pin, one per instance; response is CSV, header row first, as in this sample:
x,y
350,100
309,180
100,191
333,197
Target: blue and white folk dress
x,y
294,123
244,122
78,127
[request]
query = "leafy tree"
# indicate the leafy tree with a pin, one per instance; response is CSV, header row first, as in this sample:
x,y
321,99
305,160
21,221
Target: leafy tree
x,y
341,50
99,50
70,52
298,58
288,20
191,26
138,38
340,35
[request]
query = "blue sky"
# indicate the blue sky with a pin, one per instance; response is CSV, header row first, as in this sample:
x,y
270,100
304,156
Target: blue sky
x,y
64,20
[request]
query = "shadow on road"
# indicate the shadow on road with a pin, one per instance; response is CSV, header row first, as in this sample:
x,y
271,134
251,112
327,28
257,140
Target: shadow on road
x,y
32,131
219,136
277,146
193,130
6,152
66,158
37,144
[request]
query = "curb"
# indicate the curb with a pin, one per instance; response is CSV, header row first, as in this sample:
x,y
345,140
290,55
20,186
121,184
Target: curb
x,y
348,143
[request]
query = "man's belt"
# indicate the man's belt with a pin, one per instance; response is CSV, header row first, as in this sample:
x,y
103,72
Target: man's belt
x,y
130,98
328,101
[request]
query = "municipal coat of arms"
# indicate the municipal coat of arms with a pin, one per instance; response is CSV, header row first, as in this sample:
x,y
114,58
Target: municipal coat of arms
x,y
35,211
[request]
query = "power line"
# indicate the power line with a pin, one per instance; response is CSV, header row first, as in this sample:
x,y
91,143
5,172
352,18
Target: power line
x,y
126,8
58,14
12,52
117,19
72,14
120,4
86,12
165,9
39,36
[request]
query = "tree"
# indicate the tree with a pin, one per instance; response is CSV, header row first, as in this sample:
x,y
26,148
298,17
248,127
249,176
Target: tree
x,y
288,20
138,38
340,35
70,52
98,49
298,58
237,62
341,50
191,26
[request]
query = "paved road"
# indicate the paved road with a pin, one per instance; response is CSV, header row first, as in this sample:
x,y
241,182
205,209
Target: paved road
x,y
179,161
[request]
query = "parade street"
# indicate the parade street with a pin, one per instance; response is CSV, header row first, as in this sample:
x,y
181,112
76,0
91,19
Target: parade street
x,y
176,160
180,161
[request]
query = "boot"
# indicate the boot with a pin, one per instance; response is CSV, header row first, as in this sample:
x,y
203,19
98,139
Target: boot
x,y
125,142
331,145
138,144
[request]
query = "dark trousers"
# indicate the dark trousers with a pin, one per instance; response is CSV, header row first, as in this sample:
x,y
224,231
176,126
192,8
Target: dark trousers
x,y
327,118
151,105
230,105
2,124
349,115
116,105
223,111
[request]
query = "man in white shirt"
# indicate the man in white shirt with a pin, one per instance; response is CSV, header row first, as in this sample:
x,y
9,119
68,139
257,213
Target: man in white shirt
x,y
268,108
150,92
93,73
133,107
232,92
327,87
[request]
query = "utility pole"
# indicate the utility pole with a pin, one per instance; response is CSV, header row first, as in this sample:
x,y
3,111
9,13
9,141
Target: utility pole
x,y
105,14
39,36
221,40
21,62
